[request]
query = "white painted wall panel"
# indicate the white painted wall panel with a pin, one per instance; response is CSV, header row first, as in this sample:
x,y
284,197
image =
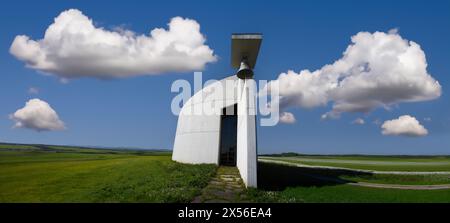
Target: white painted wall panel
x,y
198,134
246,139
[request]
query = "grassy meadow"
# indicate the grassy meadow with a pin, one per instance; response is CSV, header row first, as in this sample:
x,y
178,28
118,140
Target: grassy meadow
x,y
45,173
431,179
285,183
349,194
378,163
69,174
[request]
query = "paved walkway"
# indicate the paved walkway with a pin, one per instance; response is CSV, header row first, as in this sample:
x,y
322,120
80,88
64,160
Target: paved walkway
x,y
226,186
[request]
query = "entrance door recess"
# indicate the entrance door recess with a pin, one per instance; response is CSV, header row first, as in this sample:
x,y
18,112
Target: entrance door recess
x,y
228,136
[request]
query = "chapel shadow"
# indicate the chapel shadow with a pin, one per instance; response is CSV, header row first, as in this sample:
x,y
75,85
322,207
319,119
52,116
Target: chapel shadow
x,y
276,177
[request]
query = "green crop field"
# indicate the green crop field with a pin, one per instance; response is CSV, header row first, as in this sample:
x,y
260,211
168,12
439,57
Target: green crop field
x,y
284,183
70,174
45,173
429,179
349,194
379,163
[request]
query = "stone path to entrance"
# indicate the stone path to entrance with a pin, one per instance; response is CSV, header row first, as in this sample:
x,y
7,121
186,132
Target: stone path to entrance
x,y
226,186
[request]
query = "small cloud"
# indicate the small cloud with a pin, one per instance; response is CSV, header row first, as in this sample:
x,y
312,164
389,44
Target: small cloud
x,y
37,115
33,90
377,121
287,118
330,115
63,80
405,125
427,119
393,31
358,121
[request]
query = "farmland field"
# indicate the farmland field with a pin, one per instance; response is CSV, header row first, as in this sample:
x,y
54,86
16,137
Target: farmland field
x,y
284,183
350,194
45,173
69,174
378,163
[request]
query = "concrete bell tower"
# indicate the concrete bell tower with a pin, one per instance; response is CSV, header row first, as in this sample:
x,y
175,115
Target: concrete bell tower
x,y
244,52
217,137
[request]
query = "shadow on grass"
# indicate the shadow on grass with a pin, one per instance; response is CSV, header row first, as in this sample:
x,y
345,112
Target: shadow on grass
x,y
277,177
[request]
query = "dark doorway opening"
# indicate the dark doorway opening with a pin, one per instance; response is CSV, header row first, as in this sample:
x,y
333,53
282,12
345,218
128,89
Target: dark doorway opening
x,y
228,136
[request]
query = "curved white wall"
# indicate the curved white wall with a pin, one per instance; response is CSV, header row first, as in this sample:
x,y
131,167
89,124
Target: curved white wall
x,y
198,133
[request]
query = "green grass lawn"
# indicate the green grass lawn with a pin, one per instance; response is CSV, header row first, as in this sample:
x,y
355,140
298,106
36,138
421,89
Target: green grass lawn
x,y
432,179
96,175
43,173
380,163
284,183
349,194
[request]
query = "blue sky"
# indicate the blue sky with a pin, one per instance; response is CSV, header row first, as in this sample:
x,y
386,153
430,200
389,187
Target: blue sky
x,y
297,35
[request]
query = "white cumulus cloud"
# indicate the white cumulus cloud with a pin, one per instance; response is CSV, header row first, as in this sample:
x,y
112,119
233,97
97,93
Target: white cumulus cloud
x,y
358,121
37,115
405,125
376,70
73,47
287,118
33,90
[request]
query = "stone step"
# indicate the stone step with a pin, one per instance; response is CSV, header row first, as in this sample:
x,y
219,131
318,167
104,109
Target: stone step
x,y
226,186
